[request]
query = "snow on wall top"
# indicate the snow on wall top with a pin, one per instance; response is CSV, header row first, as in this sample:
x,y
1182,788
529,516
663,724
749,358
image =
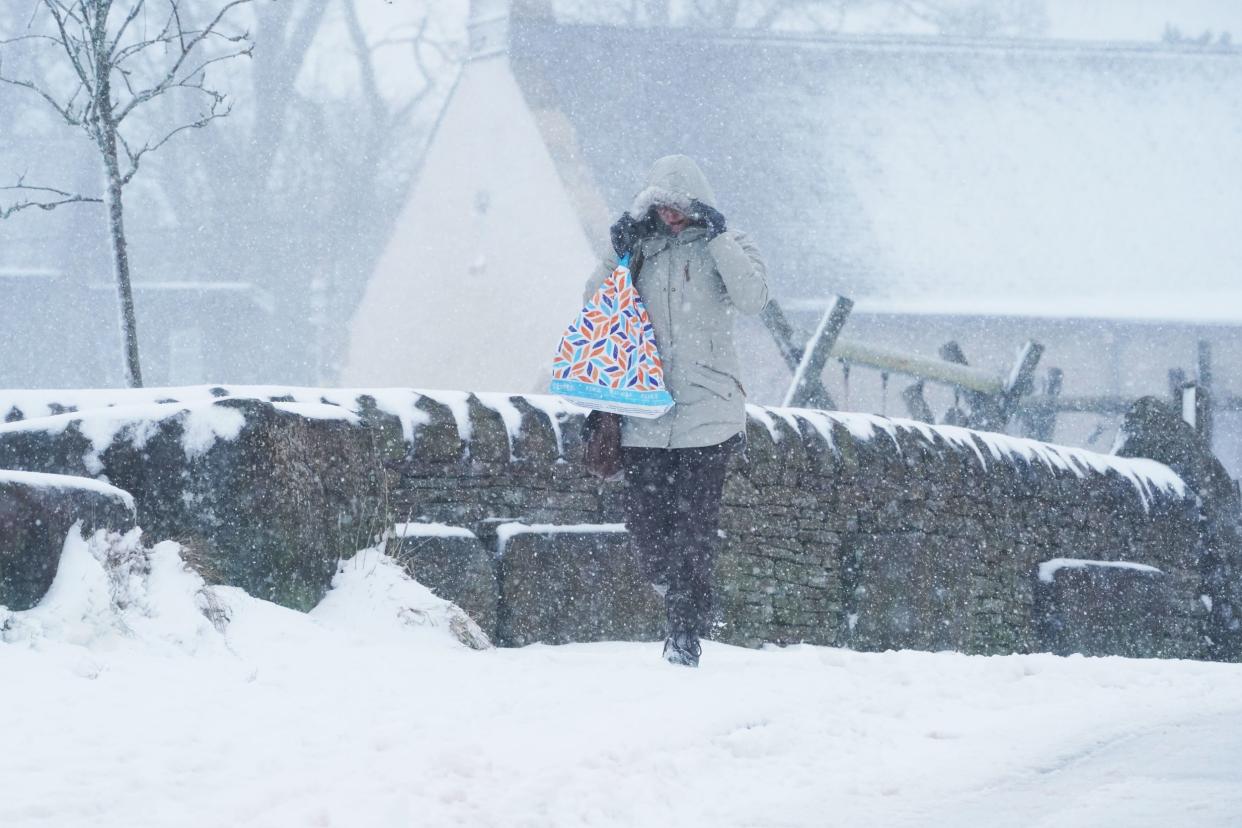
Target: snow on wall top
x,y
27,404
1048,569
205,423
1147,476
121,406
39,480
430,530
505,532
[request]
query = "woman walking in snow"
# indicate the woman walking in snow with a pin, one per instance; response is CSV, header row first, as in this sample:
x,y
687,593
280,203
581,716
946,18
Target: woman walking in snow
x,y
694,276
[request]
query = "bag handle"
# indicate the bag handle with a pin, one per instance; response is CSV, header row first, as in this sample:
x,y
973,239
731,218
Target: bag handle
x,y
624,261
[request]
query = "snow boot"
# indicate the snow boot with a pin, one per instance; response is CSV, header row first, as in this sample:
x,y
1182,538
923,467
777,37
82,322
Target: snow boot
x,y
682,648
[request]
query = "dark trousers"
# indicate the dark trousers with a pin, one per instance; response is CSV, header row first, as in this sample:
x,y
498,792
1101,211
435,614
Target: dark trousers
x,y
672,511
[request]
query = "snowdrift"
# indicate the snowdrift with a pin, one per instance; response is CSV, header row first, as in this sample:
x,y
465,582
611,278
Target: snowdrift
x,y
112,593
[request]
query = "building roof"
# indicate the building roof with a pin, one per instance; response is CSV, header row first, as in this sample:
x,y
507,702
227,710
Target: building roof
x,y
935,174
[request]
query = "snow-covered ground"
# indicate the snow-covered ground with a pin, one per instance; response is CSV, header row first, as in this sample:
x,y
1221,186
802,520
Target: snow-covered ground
x,y
121,704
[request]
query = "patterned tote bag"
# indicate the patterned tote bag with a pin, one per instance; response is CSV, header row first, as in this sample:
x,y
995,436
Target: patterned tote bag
x,y
607,360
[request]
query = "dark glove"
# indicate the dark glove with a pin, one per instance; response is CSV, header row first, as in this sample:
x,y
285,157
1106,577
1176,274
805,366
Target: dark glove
x,y
626,233
709,217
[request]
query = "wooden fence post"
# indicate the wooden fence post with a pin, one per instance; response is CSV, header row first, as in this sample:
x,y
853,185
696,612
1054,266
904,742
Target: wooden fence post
x,y
1041,419
916,404
1205,386
984,408
813,394
807,389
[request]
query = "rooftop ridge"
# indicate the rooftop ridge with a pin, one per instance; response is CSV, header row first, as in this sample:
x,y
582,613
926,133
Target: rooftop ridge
x,y
898,42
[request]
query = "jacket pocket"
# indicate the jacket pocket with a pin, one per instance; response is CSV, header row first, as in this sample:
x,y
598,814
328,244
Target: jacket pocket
x,y
720,383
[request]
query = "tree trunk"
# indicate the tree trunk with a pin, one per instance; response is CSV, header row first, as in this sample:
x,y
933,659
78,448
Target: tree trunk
x,y
106,132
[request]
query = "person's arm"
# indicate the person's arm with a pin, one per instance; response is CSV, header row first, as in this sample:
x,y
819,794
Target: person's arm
x,y
742,269
625,234
606,266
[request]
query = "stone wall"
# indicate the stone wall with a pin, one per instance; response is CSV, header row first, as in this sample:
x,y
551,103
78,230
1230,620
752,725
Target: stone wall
x,y
268,495
1153,430
849,530
846,530
37,512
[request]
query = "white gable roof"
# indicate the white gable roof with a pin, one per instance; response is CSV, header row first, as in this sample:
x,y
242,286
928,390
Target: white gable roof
x,y
488,259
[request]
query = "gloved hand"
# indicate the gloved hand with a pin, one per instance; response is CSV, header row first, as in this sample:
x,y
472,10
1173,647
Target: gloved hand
x,y
626,233
709,217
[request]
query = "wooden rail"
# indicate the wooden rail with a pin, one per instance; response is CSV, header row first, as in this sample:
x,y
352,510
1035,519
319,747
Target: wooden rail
x,y
901,362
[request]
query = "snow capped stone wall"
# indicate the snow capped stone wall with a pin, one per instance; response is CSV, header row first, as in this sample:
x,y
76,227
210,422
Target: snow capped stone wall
x,y
268,494
843,529
37,513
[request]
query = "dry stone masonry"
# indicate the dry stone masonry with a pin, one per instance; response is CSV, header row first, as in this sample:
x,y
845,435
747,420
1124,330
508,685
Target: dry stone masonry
x,y
37,513
840,529
267,495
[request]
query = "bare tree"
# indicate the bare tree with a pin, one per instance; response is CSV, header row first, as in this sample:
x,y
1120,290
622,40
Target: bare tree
x,y
338,162
113,66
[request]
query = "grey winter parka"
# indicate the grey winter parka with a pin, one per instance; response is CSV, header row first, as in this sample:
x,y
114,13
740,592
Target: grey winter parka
x,y
693,289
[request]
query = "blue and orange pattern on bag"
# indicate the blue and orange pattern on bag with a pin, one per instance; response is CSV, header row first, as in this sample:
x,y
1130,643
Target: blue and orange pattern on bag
x,y
608,358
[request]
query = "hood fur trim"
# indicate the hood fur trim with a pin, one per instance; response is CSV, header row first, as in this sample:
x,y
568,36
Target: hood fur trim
x,y
650,197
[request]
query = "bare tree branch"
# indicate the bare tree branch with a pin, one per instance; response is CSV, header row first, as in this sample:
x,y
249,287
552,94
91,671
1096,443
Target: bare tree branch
x,y
82,35
20,38
42,204
187,47
170,35
165,35
71,45
421,43
65,111
362,51
136,157
133,12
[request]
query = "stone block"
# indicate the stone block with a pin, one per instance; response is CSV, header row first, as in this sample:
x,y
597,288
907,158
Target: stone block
x,y
37,512
452,563
272,497
537,445
906,591
437,440
1102,608
489,438
561,584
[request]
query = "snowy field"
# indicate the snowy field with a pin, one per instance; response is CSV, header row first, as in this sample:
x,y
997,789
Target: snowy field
x,y
122,705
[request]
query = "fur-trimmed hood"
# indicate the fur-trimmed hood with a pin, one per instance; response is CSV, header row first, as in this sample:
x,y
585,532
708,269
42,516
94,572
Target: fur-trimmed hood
x,y
674,180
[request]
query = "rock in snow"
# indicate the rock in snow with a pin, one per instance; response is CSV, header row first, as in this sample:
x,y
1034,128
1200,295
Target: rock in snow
x,y
37,512
111,591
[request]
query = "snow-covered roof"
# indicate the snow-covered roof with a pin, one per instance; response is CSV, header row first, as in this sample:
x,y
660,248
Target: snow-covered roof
x,y
1091,180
